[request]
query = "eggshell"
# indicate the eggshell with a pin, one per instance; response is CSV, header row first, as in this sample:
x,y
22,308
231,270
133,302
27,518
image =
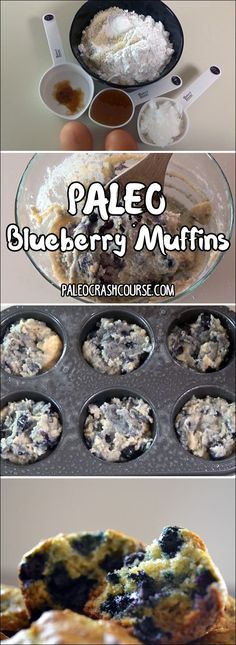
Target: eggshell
x,y
76,136
120,140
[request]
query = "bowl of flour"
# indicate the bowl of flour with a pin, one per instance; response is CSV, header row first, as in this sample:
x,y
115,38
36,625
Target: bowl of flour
x,y
126,44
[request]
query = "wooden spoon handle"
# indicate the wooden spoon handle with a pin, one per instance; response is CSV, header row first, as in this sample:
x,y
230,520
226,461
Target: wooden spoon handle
x,y
151,168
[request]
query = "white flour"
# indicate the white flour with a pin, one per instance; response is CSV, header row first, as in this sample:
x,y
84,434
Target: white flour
x,y
81,167
85,167
124,47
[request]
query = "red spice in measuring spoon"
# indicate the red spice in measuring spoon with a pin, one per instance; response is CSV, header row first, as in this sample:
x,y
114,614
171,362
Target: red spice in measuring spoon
x,y
111,108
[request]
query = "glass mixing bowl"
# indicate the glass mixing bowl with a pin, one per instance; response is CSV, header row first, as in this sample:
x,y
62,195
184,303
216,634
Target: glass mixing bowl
x,y
191,178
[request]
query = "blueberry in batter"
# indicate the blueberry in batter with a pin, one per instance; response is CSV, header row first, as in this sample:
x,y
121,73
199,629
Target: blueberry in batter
x,y
116,346
119,429
29,347
29,430
174,594
202,345
206,427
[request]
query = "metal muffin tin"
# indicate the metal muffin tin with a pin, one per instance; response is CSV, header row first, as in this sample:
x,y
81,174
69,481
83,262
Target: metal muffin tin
x,y
72,383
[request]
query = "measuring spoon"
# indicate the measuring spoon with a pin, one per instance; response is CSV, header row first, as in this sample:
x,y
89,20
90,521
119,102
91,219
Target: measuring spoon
x,y
182,103
60,72
135,98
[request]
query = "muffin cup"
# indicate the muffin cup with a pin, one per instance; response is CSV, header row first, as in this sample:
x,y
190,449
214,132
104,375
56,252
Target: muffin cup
x,y
38,314
34,396
106,396
190,316
202,392
116,314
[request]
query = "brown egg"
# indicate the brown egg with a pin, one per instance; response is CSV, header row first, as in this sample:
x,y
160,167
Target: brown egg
x,y
76,136
120,140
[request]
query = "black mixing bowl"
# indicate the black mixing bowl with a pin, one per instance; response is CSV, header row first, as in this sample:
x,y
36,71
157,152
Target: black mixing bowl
x,y
155,8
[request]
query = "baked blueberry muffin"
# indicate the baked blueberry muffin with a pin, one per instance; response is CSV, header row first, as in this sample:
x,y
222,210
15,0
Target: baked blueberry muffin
x,y
60,627
171,594
13,614
61,572
224,633
30,347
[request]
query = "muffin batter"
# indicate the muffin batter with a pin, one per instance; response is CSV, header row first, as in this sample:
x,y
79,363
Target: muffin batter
x,y
202,345
206,427
119,430
29,430
29,347
116,346
143,267
172,593
104,267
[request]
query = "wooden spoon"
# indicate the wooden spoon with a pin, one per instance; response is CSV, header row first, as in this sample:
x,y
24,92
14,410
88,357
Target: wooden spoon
x,y
150,169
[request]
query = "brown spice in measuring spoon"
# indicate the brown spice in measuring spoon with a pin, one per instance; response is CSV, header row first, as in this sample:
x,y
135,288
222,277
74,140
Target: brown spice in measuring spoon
x,y
111,108
66,95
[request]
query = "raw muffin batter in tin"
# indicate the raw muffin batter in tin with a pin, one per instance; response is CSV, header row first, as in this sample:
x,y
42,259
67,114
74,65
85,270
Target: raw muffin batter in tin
x,y
119,430
116,346
99,267
29,430
206,427
30,347
202,345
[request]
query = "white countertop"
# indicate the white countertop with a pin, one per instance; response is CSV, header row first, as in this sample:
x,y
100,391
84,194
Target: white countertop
x,y
23,284
27,125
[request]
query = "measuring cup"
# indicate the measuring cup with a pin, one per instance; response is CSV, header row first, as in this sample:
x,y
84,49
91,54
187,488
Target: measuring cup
x,y
182,103
62,71
137,97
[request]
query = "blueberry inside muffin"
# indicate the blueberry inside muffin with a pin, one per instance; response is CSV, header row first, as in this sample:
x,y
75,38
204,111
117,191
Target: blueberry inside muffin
x,y
61,572
172,593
